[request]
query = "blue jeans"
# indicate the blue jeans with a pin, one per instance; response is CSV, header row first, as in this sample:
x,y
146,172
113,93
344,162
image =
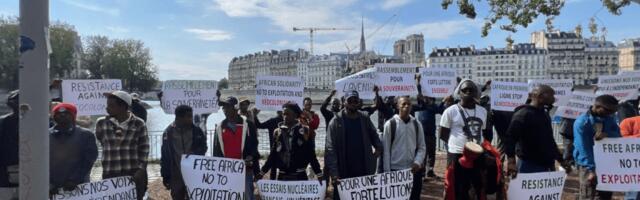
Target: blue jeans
x,y
531,167
249,186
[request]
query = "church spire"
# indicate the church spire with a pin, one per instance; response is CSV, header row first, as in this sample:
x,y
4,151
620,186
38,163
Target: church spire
x,y
363,48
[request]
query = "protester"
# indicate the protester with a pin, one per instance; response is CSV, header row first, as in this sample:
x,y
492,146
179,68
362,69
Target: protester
x,y
404,144
124,140
427,118
485,102
180,137
73,150
309,118
566,131
349,141
229,137
630,128
597,123
137,108
530,136
9,140
244,109
386,108
335,107
271,125
293,149
461,125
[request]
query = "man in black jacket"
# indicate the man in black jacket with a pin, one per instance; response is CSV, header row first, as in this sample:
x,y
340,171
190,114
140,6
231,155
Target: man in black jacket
x,y
180,137
530,136
9,143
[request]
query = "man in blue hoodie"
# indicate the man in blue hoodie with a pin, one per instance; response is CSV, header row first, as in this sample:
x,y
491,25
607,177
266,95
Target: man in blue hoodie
x,y
597,123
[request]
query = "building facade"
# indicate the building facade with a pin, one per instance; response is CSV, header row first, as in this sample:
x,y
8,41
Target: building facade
x,y
629,54
244,69
461,59
321,72
601,58
519,64
411,49
566,55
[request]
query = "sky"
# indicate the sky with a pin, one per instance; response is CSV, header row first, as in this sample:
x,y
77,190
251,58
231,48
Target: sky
x,y
196,39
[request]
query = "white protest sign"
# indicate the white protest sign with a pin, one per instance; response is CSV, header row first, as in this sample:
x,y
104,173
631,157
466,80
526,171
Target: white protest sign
x,y
209,177
506,96
623,87
437,82
578,103
199,94
388,185
291,190
396,79
544,185
362,82
562,87
113,188
273,91
617,164
88,95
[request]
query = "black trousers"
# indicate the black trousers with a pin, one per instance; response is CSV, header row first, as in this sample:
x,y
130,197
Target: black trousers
x,y
465,179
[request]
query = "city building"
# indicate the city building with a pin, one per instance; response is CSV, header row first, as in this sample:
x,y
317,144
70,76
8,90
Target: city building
x,y
566,55
321,72
519,64
461,59
601,58
629,54
244,69
411,49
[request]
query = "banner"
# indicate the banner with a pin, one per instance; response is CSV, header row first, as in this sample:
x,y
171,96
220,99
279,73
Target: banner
x,y
506,96
362,82
388,185
578,103
544,185
623,87
213,177
562,87
291,190
273,91
114,188
396,79
199,94
437,82
88,95
617,164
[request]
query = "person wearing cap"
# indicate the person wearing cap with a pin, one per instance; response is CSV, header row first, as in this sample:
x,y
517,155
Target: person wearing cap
x,y
180,137
404,144
244,109
73,150
349,142
228,138
9,141
137,108
293,149
124,140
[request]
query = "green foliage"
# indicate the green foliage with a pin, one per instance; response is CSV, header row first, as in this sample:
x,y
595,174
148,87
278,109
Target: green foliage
x,y
223,83
521,13
9,54
65,47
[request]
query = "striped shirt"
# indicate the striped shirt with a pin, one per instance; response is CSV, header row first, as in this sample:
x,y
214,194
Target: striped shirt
x,y
125,146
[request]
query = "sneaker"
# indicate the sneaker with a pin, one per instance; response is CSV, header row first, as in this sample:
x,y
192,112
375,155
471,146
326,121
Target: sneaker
x,y
432,175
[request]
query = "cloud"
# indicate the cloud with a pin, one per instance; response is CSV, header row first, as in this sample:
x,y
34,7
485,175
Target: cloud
x,y
117,29
210,34
389,4
441,30
92,7
208,66
287,14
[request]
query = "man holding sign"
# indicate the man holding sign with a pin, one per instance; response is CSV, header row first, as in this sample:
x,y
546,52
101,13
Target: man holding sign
x,y
595,124
237,138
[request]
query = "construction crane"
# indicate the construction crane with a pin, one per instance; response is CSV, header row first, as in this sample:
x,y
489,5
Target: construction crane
x,y
314,29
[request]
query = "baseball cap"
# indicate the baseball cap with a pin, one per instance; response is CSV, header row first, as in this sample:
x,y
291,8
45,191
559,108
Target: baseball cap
x,y
65,107
122,95
230,100
350,94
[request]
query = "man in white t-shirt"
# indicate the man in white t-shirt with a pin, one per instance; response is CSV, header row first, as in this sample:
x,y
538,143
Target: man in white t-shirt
x,y
462,123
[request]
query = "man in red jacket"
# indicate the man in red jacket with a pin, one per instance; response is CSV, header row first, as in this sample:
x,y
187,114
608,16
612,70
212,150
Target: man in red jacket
x,y
309,117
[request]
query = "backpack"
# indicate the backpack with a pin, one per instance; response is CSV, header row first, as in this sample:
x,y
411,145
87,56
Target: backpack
x,y
393,124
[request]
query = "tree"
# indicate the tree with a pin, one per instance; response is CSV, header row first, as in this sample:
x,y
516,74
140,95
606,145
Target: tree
x,y
130,61
578,30
522,13
93,56
593,27
9,55
65,44
223,83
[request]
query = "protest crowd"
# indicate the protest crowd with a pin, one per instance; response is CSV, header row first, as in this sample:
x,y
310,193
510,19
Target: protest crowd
x,y
387,159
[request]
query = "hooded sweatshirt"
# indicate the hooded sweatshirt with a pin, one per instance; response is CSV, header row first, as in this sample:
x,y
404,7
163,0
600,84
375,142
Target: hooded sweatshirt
x,y
530,136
